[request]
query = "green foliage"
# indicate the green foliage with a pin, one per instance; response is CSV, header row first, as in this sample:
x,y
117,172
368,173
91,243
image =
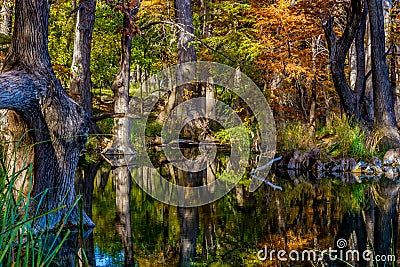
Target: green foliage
x,y
233,36
351,140
294,135
5,41
21,243
106,45
352,196
341,139
153,129
61,38
239,133
106,125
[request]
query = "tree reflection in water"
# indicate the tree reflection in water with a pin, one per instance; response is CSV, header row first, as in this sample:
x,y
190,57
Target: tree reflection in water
x,y
309,213
122,178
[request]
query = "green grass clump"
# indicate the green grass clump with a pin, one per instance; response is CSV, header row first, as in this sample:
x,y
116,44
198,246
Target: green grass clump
x,y
351,140
343,138
295,135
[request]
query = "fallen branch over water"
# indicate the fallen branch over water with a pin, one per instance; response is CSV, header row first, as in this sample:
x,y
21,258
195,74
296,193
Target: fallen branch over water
x,y
254,176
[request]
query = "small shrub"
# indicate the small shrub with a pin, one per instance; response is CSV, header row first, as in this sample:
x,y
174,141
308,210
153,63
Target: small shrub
x,y
106,126
153,129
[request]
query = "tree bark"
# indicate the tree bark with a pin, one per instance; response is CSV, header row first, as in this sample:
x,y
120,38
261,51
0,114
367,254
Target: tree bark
x,y
385,118
5,29
369,92
206,15
84,184
6,17
80,84
58,126
338,50
122,126
186,53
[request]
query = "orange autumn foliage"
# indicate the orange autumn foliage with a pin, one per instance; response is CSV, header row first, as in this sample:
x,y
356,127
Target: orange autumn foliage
x,y
295,57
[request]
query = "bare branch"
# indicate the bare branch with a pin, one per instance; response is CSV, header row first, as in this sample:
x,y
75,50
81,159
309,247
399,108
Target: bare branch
x,y
179,27
113,115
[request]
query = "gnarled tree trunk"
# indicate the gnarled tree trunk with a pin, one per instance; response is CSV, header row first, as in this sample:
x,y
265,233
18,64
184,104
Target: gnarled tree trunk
x,y
338,49
58,126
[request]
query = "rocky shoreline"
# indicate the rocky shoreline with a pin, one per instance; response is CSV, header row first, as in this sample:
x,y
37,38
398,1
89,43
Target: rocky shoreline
x,y
312,161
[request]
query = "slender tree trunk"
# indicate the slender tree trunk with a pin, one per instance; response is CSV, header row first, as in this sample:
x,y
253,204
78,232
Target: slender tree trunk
x,y
352,223
385,231
186,53
352,58
360,82
208,88
5,28
189,219
84,184
385,118
206,15
58,125
122,126
6,17
189,224
80,86
369,92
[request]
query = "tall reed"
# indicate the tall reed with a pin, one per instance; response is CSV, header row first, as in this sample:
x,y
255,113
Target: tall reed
x,y
21,242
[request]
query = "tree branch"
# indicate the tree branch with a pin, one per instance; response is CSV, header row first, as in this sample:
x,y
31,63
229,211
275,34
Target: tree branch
x,y
18,92
188,33
113,115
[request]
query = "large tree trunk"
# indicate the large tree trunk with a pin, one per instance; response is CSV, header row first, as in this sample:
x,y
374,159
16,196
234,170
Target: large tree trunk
x,y
80,86
338,50
385,118
58,125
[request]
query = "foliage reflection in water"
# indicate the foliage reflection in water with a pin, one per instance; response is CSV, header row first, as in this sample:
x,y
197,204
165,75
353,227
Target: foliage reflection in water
x,y
309,213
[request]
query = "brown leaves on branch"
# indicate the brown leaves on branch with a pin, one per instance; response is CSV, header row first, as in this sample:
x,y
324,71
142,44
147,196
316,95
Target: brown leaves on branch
x,y
294,57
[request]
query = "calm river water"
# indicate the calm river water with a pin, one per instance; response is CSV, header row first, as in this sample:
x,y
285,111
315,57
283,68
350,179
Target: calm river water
x,y
341,216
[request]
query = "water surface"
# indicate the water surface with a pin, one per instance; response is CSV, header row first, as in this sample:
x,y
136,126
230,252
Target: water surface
x,y
133,229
